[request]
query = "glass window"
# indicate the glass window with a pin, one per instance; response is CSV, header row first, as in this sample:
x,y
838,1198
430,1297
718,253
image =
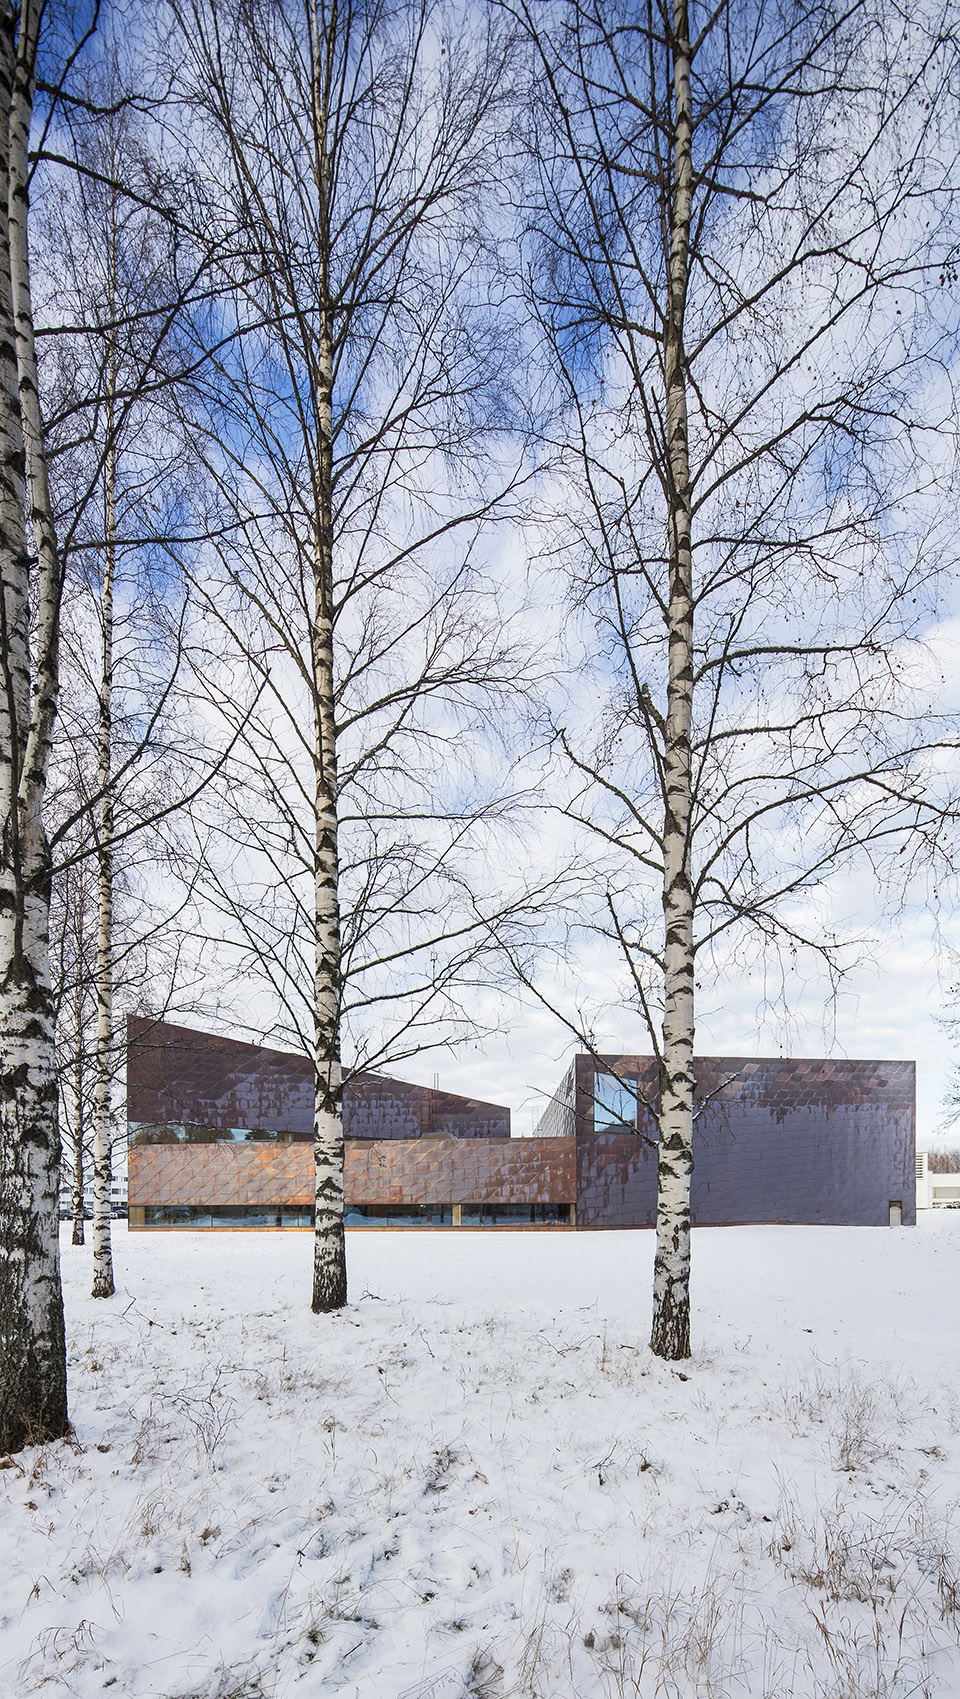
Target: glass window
x,y
227,1215
189,1132
398,1215
358,1215
515,1214
614,1105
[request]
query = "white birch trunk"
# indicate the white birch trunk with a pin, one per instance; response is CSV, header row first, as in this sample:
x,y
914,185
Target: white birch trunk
x,y
33,1384
670,1336
103,1283
329,1260
77,1141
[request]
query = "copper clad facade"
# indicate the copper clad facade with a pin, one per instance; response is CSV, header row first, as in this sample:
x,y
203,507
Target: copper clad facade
x,y
448,1171
176,1076
221,1174
798,1140
406,1172
375,1107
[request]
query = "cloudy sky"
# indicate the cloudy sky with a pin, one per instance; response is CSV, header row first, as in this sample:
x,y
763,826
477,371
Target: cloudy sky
x,y
888,1009
892,1005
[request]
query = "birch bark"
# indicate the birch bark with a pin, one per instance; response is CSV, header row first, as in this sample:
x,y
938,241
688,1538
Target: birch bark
x,y
329,1261
670,1336
33,1384
103,1283
78,1120
76,1201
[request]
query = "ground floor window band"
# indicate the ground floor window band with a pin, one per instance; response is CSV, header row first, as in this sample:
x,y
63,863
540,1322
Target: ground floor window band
x,y
515,1214
355,1215
221,1215
460,1215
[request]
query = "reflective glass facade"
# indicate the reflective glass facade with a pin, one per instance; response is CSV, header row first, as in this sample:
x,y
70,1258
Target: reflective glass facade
x,y
225,1215
399,1215
194,1132
614,1105
515,1215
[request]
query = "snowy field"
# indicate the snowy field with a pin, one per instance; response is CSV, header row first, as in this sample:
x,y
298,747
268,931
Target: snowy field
x,y
476,1481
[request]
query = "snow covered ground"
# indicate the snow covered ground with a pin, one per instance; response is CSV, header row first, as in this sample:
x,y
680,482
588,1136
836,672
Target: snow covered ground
x,y
477,1481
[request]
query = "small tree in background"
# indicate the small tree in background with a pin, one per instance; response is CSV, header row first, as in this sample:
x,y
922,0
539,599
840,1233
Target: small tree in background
x,y
117,292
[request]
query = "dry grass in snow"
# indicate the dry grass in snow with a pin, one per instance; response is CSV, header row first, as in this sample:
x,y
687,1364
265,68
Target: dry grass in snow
x,y
477,1483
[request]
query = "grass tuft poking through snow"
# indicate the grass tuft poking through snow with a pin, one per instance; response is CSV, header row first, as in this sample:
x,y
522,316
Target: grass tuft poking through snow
x,y
477,1483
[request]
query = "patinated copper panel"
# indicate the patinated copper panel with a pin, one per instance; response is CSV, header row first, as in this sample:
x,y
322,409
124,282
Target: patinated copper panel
x,y
410,1171
177,1077
461,1171
221,1174
375,1107
787,1139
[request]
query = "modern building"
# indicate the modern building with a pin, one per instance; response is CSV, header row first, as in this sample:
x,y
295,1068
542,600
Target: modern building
x,y
118,1191
793,1140
220,1136
938,1179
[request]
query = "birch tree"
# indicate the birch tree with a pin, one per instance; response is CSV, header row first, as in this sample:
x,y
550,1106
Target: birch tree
x,y
33,1382
116,295
342,428
739,222
72,932
103,1282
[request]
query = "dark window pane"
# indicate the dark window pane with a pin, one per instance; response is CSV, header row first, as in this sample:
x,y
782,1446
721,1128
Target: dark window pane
x,y
357,1215
227,1215
514,1214
399,1215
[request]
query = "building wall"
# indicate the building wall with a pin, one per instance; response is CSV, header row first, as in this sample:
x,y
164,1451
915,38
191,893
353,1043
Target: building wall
x,y
798,1140
449,1171
202,1084
375,1107
221,1174
558,1120
777,1140
414,1171
176,1076
938,1179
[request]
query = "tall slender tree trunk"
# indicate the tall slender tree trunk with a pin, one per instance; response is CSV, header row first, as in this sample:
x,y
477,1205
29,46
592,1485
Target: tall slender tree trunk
x,y
329,1260
78,1113
78,1236
329,1264
103,1284
670,1336
33,1380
